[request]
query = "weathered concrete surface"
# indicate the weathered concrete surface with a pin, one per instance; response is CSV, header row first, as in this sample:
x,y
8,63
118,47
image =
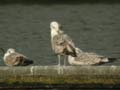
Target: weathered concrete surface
x,y
63,70
63,75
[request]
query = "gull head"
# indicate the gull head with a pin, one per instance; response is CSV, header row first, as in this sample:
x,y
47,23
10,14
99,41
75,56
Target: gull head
x,y
54,25
11,50
71,59
78,50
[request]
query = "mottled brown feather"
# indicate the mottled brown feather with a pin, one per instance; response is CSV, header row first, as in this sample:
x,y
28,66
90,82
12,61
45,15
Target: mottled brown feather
x,y
15,59
63,46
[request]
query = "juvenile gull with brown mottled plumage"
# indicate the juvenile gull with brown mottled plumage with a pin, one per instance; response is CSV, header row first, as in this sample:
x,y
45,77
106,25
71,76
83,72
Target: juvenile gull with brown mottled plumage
x,y
13,58
62,44
86,58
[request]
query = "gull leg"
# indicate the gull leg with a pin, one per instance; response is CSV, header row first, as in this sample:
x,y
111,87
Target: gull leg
x,y
59,69
58,60
65,57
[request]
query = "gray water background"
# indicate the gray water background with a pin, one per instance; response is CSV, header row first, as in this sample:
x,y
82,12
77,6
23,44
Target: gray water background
x,y
94,27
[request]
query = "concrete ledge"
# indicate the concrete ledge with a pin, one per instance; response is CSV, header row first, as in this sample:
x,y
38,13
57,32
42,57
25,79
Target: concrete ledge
x,y
60,75
62,70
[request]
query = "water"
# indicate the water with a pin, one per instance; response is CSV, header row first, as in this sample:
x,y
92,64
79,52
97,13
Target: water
x,y
93,28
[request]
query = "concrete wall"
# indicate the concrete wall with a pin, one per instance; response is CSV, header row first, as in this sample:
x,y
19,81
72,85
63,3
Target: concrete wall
x,y
60,75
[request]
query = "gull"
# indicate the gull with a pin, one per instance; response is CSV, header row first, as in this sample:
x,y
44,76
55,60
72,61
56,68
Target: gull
x,y
13,58
61,43
85,58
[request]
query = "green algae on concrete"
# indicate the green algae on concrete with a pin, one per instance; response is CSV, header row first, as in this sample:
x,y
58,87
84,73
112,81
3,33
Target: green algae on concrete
x,y
62,80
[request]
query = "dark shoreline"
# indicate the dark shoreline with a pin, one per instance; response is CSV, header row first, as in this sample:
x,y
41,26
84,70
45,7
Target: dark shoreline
x,y
38,86
29,2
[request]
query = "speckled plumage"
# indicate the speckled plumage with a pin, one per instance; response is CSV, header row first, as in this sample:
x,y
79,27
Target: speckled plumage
x,y
62,44
85,58
15,59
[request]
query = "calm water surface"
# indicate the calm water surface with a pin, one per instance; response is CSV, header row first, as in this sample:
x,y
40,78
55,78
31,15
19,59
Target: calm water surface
x,y
93,28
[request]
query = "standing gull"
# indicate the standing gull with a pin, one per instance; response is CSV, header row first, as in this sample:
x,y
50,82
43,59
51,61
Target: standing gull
x,y
85,58
62,44
13,58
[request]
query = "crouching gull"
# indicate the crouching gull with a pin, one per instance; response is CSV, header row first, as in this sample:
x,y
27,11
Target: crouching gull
x,y
85,58
13,58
